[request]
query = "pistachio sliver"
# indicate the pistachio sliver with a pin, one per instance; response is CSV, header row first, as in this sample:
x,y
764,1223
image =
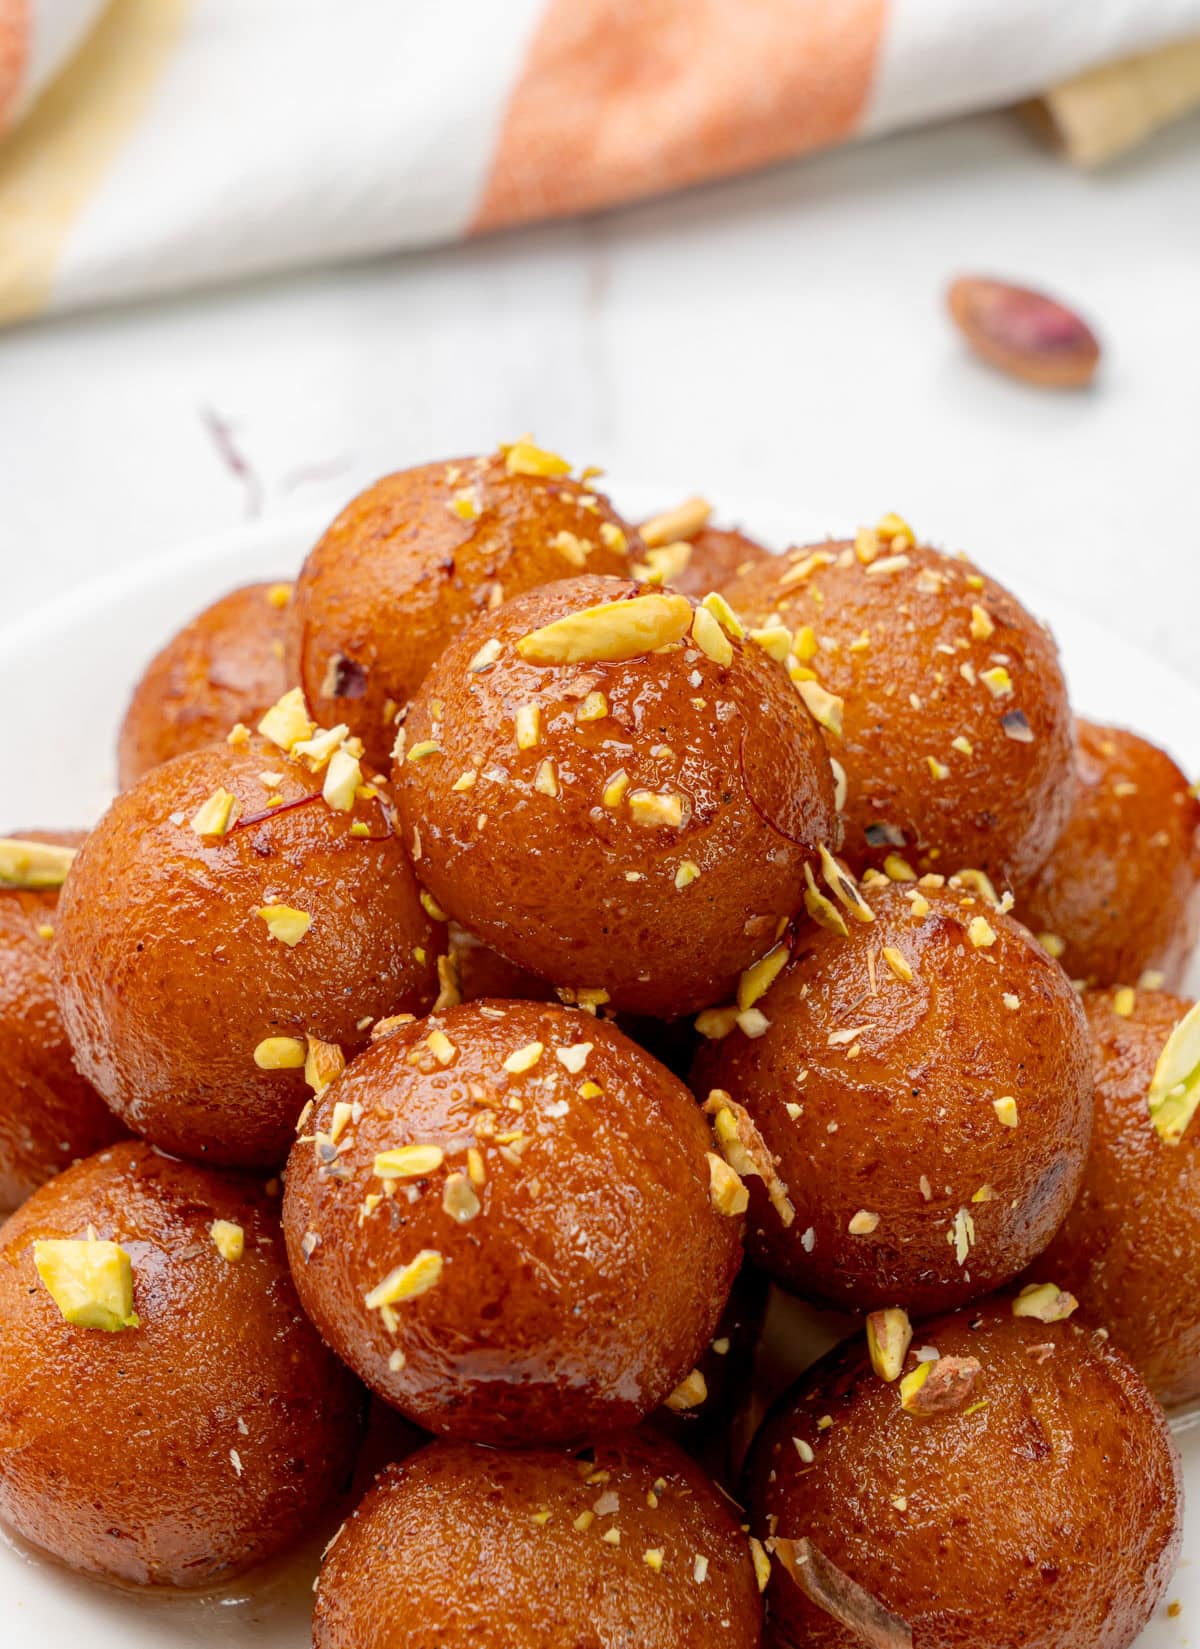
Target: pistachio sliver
x,y
613,631
33,866
1175,1087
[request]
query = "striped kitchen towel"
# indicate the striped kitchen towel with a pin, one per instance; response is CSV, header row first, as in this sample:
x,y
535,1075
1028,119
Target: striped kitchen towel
x,y
157,144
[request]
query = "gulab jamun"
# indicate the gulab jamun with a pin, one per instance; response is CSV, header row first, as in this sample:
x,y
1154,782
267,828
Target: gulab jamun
x,y
625,1542
681,549
233,924
1119,897
501,1217
418,555
1129,1249
617,789
50,1116
224,666
168,1416
1017,1484
949,711
921,1073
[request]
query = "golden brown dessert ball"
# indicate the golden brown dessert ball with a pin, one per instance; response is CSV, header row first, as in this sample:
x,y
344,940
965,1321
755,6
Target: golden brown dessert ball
x,y
500,1217
1120,893
1031,1495
413,559
194,967
924,1084
1129,1249
203,1436
956,735
224,666
635,819
626,1542
710,560
481,972
49,1115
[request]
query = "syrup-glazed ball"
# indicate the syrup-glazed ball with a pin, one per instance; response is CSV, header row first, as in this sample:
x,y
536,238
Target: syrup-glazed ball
x,y
413,559
681,549
1130,1247
225,921
168,1416
461,1547
502,1218
611,789
949,712
224,666
923,1081
1119,896
1017,1485
480,972
49,1115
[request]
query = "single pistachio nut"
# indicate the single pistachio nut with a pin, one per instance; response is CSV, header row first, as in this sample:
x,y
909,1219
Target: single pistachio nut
x,y
725,1187
1175,1087
613,631
33,866
758,978
1045,1301
91,1282
408,1162
280,1053
1024,333
889,1335
229,1239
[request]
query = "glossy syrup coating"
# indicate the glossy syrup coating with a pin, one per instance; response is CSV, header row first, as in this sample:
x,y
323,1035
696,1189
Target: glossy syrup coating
x,y
626,1542
1121,889
481,972
717,555
652,852
957,735
169,979
183,1450
1044,1510
881,1100
412,560
572,1267
1129,1249
50,1116
224,666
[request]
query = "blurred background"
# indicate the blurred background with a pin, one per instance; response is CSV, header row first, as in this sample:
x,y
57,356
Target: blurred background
x,y
253,255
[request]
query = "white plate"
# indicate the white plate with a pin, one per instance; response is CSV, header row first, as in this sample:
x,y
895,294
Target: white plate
x,y
65,676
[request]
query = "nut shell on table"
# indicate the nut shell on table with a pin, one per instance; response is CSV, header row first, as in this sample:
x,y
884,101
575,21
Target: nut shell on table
x,y
957,739
500,1217
177,991
50,1116
625,1542
931,1130
1024,333
224,666
1043,1510
413,560
639,825
1120,892
1129,1249
203,1439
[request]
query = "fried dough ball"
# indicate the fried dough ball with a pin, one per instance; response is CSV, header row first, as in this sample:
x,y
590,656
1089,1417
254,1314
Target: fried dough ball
x,y
636,819
482,972
1119,895
224,666
924,1084
199,1431
193,968
956,735
413,559
49,1115
713,558
624,1543
1130,1247
514,1242
1031,1494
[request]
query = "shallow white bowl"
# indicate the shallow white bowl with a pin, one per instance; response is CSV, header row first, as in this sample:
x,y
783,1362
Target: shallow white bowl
x,y
65,676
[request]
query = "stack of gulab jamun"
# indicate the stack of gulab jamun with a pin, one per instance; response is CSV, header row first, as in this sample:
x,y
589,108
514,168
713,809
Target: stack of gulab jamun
x,y
530,959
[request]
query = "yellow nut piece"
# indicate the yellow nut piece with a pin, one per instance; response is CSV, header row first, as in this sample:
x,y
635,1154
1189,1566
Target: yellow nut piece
x,y
523,457
822,910
317,750
1006,1110
687,873
287,722
689,1393
715,603
826,708
1045,1301
1175,1087
214,816
898,962
981,933
648,808
711,638
280,1053
663,564
981,623
889,1335
33,865
408,1162
775,640
685,521
1124,1001
528,723
758,978
524,1059
897,869
229,1239
611,632
911,1384
997,681
342,779
323,1062
725,1187
285,923
91,1282
407,1282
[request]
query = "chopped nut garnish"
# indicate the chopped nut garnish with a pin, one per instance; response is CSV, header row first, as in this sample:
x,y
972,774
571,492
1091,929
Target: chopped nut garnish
x,y
897,869
898,963
775,640
1006,1110
408,1162
725,1187
822,910
613,631
280,1053
285,923
287,721
711,638
981,933
485,657
407,1282
887,565
655,811
685,521
700,1569
229,1239
724,614
889,1335
863,1223
758,978
652,1557
529,726
342,780
45,930
459,1199
323,1063
214,816
1175,1086
745,1150
574,1057
997,681
826,708
441,1047
91,1282
524,1059
33,866
592,708
981,623
423,749
1045,1301
686,874
939,1386
761,1562
689,1393
613,537
844,887
1124,1001
523,457
545,780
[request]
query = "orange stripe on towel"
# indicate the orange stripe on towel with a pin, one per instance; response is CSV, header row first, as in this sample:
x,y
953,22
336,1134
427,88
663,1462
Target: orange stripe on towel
x,y
620,98
14,52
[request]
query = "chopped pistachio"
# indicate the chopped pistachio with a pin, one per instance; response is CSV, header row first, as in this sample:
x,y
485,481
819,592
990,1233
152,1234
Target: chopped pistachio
x,y
342,780
889,1335
1006,1110
214,816
758,978
33,866
655,811
612,631
285,923
229,1239
1175,1087
529,726
761,1562
997,681
287,722
686,874
407,1282
822,910
775,640
689,1393
408,1162
725,1188
981,623
897,961
440,1046
825,707
1045,1301
1124,1001
981,933
897,869
592,708
683,522
524,1059
91,1282
423,749
523,457
280,1053
711,638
